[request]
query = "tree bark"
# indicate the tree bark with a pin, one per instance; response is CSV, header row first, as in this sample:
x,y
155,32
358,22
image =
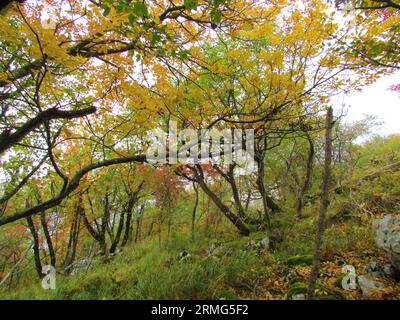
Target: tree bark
x,y
7,139
128,228
261,187
150,230
306,184
73,238
69,188
248,199
169,214
230,178
324,206
48,238
196,203
104,224
117,238
237,222
36,246
133,199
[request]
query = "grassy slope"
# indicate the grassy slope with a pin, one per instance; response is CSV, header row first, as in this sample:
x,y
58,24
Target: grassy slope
x,y
148,271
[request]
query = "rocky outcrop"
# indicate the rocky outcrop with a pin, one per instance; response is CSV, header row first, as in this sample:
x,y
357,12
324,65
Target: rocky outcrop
x,y
374,269
387,238
264,244
369,286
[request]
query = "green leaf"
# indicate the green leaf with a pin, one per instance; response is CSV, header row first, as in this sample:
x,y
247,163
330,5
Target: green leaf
x,y
216,16
140,9
216,3
161,52
146,26
106,10
155,37
132,19
191,4
183,54
123,6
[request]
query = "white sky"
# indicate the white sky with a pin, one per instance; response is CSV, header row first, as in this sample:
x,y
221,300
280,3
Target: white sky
x,y
378,100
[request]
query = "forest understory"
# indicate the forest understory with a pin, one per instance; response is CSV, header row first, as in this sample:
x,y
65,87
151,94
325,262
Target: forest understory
x,y
199,149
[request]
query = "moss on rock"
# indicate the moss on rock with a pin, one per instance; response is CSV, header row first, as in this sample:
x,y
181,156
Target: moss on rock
x,y
300,260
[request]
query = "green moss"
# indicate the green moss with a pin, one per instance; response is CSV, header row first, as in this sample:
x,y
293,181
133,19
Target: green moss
x,y
297,288
300,260
253,227
338,282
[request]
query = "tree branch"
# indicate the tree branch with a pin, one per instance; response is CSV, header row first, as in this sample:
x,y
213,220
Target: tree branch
x,y
71,186
7,139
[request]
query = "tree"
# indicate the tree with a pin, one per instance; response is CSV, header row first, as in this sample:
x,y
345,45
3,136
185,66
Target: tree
x,y
379,21
368,5
200,175
269,79
84,83
48,74
167,187
324,205
307,179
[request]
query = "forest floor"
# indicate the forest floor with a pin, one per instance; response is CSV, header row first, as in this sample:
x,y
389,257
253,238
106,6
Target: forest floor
x,y
224,265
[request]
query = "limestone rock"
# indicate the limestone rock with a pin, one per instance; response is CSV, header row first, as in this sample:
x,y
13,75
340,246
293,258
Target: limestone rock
x,y
368,286
374,269
387,238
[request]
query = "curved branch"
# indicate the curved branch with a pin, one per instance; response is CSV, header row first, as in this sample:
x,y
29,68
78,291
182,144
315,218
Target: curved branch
x,y
7,139
71,186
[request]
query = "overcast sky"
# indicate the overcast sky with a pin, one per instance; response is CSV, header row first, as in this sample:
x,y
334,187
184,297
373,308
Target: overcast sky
x,y
377,100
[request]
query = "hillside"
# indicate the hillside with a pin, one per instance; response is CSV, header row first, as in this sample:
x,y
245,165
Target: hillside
x,y
199,150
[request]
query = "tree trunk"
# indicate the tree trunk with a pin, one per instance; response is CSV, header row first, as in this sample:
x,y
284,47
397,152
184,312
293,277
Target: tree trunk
x,y
324,205
306,184
248,199
150,230
128,227
137,229
104,225
73,237
15,266
117,238
196,203
237,222
230,178
36,246
133,199
138,234
48,238
261,188
236,196
272,204
159,232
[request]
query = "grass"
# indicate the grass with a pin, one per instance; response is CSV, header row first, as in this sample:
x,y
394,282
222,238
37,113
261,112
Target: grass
x,y
150,271
146,271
